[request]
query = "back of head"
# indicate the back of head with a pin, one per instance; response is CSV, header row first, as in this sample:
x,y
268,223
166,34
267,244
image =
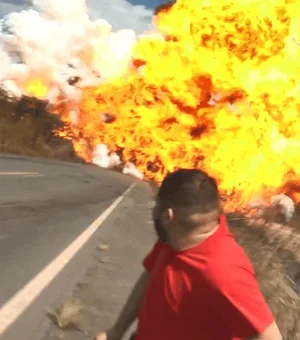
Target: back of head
x,y
193,195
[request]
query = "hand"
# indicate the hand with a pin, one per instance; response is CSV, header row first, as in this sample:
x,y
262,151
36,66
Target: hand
x,y
101,336
110,335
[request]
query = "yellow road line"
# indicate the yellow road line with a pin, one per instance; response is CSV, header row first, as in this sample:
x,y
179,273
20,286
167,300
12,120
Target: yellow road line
x,y
18,173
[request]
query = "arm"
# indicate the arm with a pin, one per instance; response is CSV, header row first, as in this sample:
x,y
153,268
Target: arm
x,y
271,333
242,304
132,306
134,301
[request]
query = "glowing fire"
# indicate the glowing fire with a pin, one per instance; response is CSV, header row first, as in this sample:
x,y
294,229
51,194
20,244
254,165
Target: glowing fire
x,y
217,88
36,88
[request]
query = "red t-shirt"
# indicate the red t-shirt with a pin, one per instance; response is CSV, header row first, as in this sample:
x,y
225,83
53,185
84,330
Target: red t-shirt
x,y
208,292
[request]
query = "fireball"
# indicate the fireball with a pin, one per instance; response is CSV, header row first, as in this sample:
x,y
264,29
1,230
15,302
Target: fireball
x,y
216,88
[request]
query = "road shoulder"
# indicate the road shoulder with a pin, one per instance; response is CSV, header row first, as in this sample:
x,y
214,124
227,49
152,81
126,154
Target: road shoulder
x,y
125,238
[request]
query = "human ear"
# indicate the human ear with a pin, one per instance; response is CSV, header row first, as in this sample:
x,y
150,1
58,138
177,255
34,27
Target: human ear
x,y
167,216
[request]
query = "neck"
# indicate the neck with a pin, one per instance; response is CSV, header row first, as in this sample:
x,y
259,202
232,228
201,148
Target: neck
x,y
182,241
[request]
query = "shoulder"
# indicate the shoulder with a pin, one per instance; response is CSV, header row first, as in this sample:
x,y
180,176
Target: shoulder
x,y
234,285
150,259
158,246
227,260
235,290
229,267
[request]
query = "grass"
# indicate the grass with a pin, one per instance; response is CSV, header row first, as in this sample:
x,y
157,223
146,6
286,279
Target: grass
x,y
26,128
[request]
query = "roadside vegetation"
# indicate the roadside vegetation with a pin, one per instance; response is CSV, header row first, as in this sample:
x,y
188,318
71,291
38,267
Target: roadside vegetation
x,y
27,129
274,251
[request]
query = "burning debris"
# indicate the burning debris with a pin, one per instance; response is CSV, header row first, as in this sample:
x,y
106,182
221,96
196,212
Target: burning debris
x,y
107,117
73,80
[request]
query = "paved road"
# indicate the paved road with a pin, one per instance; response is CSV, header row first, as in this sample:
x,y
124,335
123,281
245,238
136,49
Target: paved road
x,y
44,206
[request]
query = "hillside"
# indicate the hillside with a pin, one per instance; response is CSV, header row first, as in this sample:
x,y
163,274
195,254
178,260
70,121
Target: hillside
x,y
27,129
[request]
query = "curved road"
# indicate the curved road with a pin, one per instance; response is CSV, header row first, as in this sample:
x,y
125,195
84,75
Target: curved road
x,y
44,207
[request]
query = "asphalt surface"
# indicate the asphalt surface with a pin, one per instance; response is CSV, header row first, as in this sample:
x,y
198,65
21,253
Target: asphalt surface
x,y
44,206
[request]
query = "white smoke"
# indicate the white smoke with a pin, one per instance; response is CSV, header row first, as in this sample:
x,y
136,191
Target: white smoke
x,y
55,45
286,204
280,203
5,62
105,159
131,170
56,41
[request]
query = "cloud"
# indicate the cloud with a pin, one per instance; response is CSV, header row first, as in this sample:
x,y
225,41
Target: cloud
x,y
119,13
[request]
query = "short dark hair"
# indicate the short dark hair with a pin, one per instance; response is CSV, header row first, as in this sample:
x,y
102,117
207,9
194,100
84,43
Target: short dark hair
x,y
191,189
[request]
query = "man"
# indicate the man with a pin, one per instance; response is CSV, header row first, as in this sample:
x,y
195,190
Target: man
x,y
198,284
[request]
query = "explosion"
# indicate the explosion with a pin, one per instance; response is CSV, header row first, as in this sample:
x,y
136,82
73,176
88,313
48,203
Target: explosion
x,y
215,86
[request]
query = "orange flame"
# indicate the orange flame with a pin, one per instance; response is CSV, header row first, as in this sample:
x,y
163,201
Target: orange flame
x,y
218,90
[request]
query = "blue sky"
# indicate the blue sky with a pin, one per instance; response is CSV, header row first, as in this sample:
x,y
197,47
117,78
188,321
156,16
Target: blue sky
x,y
135,14
147,3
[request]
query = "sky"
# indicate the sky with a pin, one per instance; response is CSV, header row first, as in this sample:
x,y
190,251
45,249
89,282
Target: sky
x,y
134,14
